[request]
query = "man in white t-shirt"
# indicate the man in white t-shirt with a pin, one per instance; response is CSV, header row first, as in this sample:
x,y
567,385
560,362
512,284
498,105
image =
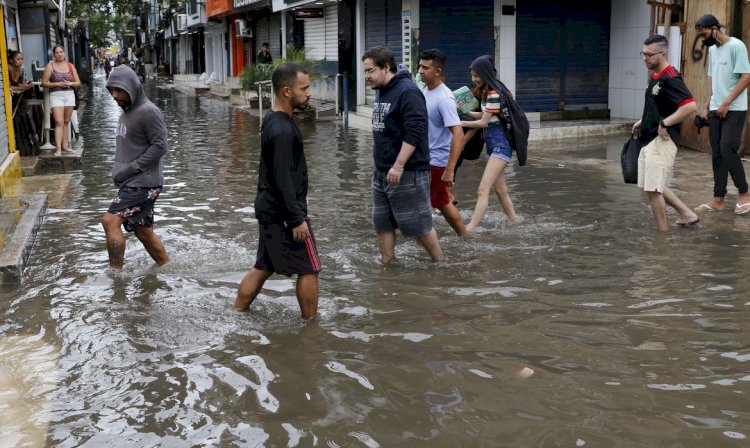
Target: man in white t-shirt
x,y
445,135
729,75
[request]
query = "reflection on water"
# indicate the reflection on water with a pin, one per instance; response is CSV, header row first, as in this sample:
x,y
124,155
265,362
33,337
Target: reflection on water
x,y
634,339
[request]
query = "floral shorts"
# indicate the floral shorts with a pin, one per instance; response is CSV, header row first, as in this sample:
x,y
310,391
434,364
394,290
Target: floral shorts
x,y
135,205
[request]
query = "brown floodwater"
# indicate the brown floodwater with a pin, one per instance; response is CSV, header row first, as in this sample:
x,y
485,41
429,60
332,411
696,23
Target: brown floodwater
x,y
634,338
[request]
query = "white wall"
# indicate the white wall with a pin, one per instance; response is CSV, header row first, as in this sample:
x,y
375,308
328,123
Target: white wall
x,y
505,45
628,76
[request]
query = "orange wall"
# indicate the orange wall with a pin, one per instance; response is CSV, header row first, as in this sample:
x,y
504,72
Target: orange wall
x,y
238,53
216,7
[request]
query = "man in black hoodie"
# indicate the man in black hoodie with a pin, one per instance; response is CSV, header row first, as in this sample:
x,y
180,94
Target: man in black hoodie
x,y
401,177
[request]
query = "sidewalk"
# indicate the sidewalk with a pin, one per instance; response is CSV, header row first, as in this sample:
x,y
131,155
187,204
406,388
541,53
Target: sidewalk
x,y
540,130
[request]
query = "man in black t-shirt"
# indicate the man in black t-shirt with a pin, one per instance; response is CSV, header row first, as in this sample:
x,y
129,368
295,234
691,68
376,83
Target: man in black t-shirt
x,y
668,103
286,243
264,55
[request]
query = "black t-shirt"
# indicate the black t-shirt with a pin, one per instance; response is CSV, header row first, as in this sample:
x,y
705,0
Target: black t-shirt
x,y
665,94
264,58
282,177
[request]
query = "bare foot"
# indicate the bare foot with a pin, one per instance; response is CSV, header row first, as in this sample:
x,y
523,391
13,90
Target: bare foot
x,y
57,153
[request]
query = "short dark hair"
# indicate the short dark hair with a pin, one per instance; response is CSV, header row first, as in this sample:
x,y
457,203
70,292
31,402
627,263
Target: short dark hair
x,y
264,44
436,56
381,57
285,75
658,40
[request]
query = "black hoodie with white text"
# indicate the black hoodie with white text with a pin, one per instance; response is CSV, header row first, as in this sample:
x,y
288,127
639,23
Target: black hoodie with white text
x,y
400,115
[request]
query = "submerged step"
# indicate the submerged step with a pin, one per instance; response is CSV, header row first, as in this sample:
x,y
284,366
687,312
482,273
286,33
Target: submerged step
x,y
20,219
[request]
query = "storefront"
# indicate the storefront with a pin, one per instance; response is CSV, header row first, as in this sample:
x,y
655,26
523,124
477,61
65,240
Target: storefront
x,y
320,32
215,35
10,165
463,29
562,55
242,37
383,28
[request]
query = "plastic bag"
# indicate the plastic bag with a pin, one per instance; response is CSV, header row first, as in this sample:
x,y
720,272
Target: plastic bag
x,y
629,160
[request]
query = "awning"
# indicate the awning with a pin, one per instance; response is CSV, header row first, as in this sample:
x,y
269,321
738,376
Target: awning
x,y
281,5
249,5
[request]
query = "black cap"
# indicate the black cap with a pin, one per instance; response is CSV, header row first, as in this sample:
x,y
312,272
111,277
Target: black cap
x,y
708,21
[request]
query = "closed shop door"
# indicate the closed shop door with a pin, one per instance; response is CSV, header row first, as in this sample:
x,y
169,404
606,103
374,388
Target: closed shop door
x,y
332,33
321,36
562,59
383,28
269,30
247,48
315,36
463,29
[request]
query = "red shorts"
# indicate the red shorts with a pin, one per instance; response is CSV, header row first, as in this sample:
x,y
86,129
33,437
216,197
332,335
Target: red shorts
x,y
438,191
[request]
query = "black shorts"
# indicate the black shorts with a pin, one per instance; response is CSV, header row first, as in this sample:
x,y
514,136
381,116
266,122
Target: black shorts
x,y
279,253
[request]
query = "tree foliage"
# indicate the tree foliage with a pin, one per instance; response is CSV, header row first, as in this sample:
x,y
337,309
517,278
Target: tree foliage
x,y
104,17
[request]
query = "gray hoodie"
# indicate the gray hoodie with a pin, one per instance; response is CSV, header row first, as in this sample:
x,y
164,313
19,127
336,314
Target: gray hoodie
x,y
141,135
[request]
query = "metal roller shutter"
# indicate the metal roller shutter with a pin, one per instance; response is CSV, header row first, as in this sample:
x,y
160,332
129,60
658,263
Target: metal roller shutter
x,y
463,29
322,37
562,55
332,32
315,35
383,28
269,30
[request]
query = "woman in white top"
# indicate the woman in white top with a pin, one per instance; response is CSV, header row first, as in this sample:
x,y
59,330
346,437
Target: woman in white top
x,y
61,77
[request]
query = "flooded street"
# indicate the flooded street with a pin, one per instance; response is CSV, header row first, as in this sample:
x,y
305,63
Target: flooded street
x,y
635,339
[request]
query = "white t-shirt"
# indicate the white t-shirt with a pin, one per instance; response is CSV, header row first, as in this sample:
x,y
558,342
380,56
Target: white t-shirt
x,y
442,113
726,63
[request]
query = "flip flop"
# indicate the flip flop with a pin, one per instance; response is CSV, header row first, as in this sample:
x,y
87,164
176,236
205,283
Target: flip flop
x,y
741,209
689,223
706,208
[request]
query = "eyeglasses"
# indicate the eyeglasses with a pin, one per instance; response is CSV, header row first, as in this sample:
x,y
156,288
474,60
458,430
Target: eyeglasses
x,y
370,71
648,55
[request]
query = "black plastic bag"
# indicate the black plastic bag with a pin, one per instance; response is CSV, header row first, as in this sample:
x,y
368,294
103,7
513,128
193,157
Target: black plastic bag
x,y
629,160
473,148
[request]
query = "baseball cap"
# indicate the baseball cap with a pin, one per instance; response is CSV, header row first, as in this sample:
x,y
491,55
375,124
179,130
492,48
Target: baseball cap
x,y
708,21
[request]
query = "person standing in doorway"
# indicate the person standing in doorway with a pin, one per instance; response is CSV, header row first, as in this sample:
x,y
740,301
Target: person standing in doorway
x,y
264,55
726,109
286,243
138,170
494,119
445,135
61,77
401,176
668,103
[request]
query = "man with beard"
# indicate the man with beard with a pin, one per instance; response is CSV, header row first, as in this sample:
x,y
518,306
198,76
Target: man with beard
x,y
729,74
286,244
401,177
668,102
138,172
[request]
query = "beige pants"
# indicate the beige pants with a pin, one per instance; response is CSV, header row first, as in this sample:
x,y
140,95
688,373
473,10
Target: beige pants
x,y
655,164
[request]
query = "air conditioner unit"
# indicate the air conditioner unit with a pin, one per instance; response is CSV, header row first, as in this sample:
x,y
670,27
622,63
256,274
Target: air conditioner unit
x,y
182,22
241,28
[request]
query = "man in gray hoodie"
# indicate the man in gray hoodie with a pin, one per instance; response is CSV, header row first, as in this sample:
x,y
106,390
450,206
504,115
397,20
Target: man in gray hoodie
x,y
138,173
